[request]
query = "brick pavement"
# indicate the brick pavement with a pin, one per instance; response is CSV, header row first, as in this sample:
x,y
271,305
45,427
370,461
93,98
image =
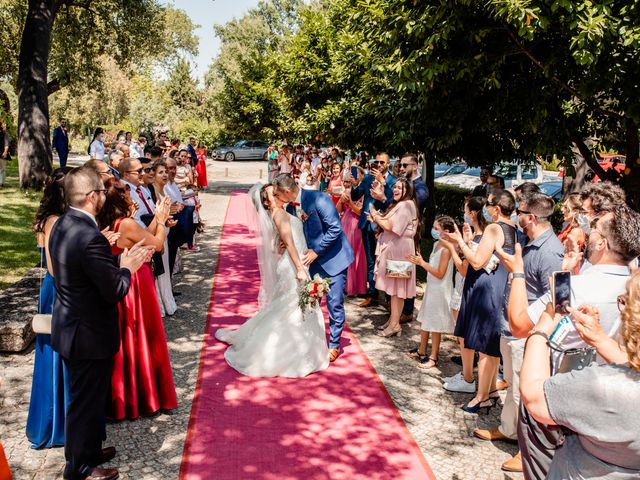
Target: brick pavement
x,y
151,447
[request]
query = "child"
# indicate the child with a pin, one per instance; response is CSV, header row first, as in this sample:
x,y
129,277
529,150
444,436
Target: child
x,y
435,313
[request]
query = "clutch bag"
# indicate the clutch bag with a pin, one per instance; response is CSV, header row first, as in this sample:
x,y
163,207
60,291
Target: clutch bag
x,y
399,269
41,323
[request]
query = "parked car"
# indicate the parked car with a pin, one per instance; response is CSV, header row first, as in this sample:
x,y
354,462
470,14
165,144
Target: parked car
x,y
552,188
242,150
454,169
513,174
607,161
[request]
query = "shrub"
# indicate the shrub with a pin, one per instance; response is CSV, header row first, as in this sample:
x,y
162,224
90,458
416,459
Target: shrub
x,y
449,200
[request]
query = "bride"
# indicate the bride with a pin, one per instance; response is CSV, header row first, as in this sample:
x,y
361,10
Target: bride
x,y
279,341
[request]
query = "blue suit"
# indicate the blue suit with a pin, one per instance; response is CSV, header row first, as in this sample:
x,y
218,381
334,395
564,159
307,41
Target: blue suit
x,y
61,143
369,228
324,235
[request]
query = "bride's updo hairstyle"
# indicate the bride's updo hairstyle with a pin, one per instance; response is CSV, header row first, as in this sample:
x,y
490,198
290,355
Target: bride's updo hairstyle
x,y
264,196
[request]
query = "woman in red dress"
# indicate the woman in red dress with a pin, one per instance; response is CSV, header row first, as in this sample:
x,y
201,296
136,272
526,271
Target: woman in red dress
x,y
335,189
142,381
201,166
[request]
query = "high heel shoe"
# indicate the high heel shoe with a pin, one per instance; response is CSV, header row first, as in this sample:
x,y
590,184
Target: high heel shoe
x,y
393,333
382,327
478,406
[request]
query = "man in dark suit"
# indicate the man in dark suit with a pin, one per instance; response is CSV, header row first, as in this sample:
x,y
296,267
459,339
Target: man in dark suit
x,y
191,148
85,319
60,142
482,190
376,187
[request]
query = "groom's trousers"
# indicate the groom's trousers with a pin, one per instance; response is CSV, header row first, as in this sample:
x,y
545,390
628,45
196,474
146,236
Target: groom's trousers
x,y
335,302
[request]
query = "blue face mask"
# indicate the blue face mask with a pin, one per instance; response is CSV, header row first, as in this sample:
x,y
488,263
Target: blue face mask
x,y
485,214
435,234
584,223
468,219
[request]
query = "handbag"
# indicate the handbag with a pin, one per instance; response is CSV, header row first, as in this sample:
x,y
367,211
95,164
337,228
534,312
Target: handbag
x,y
41,322
399,269
575,359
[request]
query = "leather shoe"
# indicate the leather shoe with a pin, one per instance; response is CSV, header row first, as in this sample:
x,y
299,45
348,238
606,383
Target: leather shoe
x,y
334,353
513,464
491,435
406,318
106,455
367,302
100,473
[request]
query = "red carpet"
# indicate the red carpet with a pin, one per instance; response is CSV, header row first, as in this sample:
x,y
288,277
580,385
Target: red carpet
x,y
337,424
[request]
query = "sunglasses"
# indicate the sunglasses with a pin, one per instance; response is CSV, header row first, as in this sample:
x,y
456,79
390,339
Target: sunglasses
x,y
405,165
378,162
493,204
138,171
522,212
103,190
147,170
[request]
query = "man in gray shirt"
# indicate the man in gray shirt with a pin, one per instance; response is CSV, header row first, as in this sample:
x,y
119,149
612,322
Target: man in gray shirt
x,y
542,255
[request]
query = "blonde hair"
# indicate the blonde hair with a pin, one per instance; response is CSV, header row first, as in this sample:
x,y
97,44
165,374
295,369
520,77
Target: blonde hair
x,y
631,321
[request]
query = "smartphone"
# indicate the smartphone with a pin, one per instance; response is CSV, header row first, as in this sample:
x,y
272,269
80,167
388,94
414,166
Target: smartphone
x,y
561,289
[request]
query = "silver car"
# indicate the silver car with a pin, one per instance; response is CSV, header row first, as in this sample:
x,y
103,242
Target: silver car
x,y
242,150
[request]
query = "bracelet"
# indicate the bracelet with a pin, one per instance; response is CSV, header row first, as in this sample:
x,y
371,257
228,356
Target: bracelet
x,y
533,333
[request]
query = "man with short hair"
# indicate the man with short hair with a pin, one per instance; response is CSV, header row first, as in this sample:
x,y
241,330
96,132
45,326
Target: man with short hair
x,y
482,190
191,149
60,142
115,157
131,172
177,235
612,244
375,187
84,327
100,168
542,255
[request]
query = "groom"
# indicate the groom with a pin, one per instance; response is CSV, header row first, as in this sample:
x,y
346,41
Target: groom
x,y
329,253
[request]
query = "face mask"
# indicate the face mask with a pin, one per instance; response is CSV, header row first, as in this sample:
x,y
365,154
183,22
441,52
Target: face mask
x,y
514,219
583,223
435,234
468,219
485,214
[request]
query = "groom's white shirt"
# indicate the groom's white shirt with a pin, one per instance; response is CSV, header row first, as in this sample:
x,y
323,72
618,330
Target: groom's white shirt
x,y
299,202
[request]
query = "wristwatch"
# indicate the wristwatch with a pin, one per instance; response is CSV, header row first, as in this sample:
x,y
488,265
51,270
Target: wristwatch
x,y
513,275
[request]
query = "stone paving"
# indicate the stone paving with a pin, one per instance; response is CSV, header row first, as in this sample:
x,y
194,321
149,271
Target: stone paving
x,y
151,447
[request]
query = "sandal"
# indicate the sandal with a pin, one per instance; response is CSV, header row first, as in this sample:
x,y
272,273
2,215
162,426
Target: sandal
x,y
427,362
415,353
383,326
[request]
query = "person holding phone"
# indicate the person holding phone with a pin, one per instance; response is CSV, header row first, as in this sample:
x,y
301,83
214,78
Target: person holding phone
x,y
374,189
542,255
613,242
335,189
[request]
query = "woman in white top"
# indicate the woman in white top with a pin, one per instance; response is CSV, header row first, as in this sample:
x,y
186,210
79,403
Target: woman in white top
x,y
435,315
96,147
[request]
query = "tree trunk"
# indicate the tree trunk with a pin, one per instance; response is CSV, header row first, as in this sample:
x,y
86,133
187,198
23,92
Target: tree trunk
x,y
429,176
586,153
34,147
576,181
5,105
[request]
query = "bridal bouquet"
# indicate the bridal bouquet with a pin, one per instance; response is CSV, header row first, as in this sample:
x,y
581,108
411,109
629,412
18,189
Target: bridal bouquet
x,y
312,291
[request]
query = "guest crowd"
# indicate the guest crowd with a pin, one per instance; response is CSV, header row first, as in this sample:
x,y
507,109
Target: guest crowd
x,y
111,234
572,376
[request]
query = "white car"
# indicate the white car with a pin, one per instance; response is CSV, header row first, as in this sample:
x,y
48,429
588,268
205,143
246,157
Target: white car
x,y
513,173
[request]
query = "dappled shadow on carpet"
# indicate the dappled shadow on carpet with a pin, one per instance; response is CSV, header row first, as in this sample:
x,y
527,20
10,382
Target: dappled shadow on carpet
x,y
336,424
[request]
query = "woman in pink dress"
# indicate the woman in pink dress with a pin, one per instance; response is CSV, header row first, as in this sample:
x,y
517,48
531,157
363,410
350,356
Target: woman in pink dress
x,y
396,242
201,166
350,212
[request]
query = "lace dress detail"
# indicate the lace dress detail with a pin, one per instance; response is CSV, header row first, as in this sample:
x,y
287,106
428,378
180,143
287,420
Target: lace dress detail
x,y
279,340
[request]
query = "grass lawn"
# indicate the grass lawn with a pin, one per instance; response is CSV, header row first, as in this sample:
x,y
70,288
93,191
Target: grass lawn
x,y
18,252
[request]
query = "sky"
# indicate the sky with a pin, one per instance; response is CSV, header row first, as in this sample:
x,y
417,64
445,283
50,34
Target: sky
x,y
207,13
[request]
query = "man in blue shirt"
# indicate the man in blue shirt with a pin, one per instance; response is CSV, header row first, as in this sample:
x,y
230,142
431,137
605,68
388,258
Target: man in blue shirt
x,y
376,187
409,169
60,142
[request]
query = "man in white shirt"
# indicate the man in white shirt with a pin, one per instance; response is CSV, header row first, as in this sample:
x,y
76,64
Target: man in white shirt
x,y
612,243
136,148
131,176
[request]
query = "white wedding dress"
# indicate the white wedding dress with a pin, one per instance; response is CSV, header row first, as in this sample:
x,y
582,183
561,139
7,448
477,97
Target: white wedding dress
x,y
279,341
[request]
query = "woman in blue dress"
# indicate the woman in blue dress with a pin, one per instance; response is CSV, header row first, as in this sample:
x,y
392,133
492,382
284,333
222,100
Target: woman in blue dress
x,y
481,319
50,386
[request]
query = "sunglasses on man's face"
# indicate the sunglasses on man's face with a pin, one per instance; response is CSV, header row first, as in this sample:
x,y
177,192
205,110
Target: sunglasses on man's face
x,y
405,165
138,171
